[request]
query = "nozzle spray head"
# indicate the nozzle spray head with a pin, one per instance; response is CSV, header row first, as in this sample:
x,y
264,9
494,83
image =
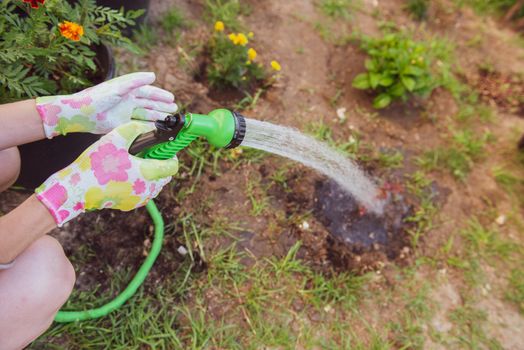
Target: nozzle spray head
x,y
221,128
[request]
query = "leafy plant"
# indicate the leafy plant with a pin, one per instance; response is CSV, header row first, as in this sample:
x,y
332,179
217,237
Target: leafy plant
x,y
397,68
173,19
226,11
233,62
336,8
49,49
418,8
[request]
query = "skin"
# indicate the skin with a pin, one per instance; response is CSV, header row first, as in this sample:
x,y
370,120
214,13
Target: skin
x,y
42,278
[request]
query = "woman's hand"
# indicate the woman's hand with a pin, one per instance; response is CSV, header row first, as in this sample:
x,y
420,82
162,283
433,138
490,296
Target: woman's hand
x,y
106,176
101,108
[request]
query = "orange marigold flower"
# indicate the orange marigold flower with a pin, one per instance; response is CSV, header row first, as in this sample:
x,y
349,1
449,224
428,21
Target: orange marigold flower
x,y
71,30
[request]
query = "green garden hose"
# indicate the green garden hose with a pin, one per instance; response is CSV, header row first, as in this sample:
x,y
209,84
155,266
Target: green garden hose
x,y
136,282
221,128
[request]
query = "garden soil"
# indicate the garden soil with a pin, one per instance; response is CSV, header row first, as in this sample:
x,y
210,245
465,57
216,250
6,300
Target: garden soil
x,y
336,234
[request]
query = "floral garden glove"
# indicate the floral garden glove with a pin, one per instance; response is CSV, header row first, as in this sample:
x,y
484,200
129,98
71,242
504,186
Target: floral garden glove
x,y
106,176
101,108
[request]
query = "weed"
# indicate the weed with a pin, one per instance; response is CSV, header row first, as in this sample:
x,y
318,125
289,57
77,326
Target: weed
x,y
484,242
397,68
145,36
391,159
459,157
418,8
515,292
257,196
469,328
336,8
492,6
172,19
226,11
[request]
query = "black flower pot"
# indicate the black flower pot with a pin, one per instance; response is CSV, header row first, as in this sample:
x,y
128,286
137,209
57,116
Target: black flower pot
x,y
43,158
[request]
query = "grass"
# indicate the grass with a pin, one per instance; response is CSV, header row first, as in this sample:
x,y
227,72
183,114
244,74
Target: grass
x,y
173,19
417,8
336,8
469,331
515,291
459,158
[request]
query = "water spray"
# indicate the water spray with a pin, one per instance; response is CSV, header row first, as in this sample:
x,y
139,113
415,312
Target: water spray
x,y
225,129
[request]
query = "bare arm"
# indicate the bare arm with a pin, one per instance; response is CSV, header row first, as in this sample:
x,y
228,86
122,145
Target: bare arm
x,y
19,123
22,226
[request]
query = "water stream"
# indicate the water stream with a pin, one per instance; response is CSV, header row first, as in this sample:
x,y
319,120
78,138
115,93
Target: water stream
x,y
292,144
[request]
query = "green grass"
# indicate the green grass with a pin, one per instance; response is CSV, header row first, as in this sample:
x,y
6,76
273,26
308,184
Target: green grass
x,y
466,148
515,291
417,8
336,8
173,19
146,36
390,159
490,6
469,328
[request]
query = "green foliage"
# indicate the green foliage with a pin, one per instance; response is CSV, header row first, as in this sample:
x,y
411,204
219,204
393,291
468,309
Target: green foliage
x,y
397,68
492,6
230,65
37,60
418,8
336,8
173,19
226,11
516,288
459,157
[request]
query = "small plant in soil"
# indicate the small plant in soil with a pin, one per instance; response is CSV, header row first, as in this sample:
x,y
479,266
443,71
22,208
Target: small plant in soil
x,y
336,8
397,68
234,63
418,8
48,49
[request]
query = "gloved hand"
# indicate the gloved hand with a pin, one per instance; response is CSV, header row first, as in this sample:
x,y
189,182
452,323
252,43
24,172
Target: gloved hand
x,y
106,176
101,108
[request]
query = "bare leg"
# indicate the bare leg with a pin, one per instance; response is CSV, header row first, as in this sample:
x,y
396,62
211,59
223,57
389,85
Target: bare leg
x,y
10,160
32,291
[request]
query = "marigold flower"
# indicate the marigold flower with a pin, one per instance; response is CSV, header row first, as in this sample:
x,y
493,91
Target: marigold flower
x,y
233,38
276,66
71,30
238,39
251,54
219,26
242,39
250,35
34,3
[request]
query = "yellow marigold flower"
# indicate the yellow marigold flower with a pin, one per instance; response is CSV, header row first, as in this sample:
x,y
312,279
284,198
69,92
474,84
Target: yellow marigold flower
x,y
250,35
276,66
238,39
233,38
71,30
251,54
242,39
219,26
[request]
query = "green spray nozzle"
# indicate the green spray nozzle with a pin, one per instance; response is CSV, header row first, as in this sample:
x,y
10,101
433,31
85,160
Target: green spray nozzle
x,y
221,128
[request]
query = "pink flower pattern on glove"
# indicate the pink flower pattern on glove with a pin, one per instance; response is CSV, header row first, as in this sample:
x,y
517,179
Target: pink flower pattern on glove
x,y
110,163
101,108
